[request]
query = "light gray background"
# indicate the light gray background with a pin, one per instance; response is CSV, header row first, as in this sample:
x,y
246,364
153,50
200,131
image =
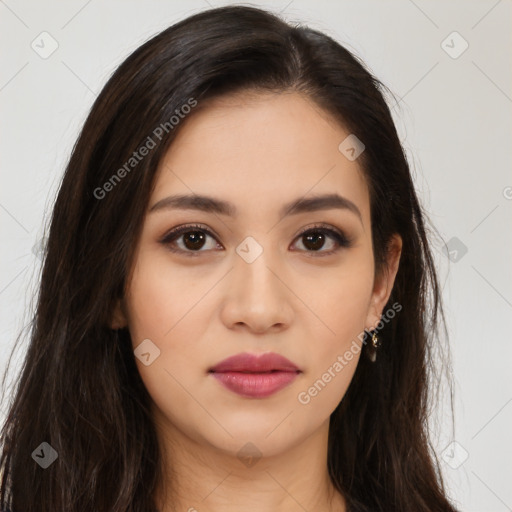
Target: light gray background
x,y
454,118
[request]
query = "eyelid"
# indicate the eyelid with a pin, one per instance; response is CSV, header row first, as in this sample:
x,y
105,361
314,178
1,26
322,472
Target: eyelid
x,y
187,227
175,232
343,241
321,226
338,235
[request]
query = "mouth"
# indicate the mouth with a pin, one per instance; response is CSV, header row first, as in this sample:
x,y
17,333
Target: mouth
x,y
255,376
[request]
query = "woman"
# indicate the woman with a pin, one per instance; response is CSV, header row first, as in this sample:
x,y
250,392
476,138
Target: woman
x,y
238,301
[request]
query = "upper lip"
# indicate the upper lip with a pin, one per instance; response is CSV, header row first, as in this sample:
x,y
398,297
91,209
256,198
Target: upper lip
x,y
255,363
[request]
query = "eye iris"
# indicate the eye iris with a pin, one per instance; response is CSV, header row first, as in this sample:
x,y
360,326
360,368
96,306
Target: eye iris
x,y
196,239
315,239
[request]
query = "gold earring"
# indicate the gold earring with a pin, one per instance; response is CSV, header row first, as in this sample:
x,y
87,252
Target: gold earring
x,y
375,340
372,352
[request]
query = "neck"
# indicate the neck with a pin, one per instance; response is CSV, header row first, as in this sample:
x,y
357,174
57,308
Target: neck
x,y
200,477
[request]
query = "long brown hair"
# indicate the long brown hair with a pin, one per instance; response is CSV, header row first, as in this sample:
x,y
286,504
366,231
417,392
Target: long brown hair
x,y
79,389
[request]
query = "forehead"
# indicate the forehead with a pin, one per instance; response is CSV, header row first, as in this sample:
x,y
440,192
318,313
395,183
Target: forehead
x,y
259,151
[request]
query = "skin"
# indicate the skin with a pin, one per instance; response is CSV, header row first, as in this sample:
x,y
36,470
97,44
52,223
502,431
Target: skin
x,y
257,151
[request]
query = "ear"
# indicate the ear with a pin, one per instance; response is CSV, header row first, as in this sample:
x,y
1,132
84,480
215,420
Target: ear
x,y
119,317
383,283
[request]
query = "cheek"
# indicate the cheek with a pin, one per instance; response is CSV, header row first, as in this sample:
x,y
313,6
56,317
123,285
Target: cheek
x,y
340,299
340,302
168,307
161,296
165,309
333,359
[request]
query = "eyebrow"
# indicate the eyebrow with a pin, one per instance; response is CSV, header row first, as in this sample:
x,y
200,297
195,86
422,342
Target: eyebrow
x,y
212,205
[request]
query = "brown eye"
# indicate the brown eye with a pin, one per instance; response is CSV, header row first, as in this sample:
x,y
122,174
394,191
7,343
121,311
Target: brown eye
x,y
193,240
189,240
313,241
322,240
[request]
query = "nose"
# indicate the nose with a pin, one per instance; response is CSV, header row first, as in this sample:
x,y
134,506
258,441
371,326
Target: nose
x,y
257,297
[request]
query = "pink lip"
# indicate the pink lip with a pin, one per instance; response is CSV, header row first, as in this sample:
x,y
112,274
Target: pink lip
x,y
255,376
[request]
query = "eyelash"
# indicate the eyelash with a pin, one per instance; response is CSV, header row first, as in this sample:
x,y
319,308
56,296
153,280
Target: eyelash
x,y
338,236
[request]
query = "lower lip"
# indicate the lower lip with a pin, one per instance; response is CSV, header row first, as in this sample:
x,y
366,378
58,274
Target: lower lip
x,y
255,385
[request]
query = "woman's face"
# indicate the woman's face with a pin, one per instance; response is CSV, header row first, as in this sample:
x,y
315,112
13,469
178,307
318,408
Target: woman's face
x,y
242,278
